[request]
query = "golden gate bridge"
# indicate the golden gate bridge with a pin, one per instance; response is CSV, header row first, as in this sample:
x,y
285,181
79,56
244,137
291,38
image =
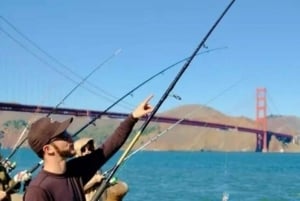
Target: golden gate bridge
x,y
263,136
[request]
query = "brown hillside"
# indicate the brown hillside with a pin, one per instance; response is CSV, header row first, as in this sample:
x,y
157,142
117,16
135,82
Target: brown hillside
x,y
195,138
180,137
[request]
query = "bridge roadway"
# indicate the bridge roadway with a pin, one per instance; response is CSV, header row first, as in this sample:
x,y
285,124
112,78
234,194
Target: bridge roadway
x,y
285,138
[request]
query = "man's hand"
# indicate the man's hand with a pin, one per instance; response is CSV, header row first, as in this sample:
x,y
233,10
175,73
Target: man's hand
x,y
143,109
99,177
22,176
2,195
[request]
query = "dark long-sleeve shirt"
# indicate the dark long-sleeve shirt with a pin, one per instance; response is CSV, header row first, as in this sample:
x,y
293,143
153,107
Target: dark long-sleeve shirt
x,y
69,186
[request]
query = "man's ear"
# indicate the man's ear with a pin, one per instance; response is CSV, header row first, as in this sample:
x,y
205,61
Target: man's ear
x,y
48,149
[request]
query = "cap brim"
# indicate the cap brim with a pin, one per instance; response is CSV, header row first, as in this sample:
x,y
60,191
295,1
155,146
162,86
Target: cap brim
x,y
63,126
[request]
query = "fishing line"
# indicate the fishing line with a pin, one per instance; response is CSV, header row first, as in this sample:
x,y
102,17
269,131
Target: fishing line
x,y
105,183
46,63
172,66
226,189
67,95
225,193
129,93
48,54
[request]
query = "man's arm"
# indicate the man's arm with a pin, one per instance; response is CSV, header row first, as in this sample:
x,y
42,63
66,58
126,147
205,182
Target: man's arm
x,y
115,141
118,138
112,144
86,166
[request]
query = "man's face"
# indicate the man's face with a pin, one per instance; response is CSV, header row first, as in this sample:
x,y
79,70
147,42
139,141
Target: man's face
x,y
63,145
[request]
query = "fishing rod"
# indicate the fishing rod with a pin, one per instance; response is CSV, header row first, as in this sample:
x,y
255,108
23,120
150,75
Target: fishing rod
x,y
64,98
154,138
105,183
135,88
9,166
120,99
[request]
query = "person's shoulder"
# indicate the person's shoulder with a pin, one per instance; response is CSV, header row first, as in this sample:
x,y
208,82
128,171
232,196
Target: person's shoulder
x,y
39,179
36,190
35,193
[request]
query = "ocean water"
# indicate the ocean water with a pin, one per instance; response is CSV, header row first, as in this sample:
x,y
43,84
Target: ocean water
x,y
201,176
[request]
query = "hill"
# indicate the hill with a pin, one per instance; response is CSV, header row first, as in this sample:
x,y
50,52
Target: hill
x,y
180,137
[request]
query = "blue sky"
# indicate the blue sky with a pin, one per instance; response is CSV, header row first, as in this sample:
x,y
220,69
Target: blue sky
x,y
261,36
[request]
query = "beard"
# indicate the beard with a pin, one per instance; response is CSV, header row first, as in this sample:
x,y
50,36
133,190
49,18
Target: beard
x,y
67,153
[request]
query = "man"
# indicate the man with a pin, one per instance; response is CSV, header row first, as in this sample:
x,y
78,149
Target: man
x,y
62,180
115,192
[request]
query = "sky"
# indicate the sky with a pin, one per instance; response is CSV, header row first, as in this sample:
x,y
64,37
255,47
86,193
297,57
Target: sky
x,y
49,47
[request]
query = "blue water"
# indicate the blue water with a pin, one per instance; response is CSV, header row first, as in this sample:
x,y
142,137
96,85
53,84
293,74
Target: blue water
x,y
203,176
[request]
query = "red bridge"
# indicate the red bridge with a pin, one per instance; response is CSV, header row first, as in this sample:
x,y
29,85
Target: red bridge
x,y
263,136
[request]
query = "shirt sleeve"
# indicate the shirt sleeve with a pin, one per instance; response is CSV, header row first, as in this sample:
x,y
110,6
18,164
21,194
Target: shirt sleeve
x,y
115,141
88,165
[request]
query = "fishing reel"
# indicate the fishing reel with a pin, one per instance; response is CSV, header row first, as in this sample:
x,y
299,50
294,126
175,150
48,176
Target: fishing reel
x,y
8,165
112,181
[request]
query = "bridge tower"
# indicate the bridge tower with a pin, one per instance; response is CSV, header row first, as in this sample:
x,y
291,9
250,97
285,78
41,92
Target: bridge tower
x,y
261,119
